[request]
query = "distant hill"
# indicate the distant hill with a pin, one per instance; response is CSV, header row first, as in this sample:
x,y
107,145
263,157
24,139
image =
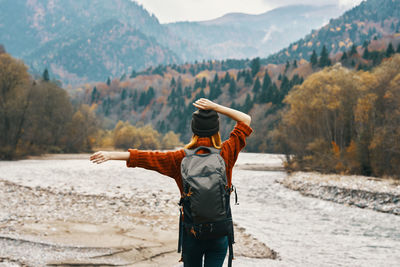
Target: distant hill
x,y
59,35
240,36
108,49
372,19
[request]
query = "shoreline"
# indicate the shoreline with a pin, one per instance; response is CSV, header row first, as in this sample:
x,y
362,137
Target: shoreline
x,y
382,195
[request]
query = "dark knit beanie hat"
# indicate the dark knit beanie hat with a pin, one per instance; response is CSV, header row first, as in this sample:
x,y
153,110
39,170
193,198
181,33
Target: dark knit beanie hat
x,y
205,122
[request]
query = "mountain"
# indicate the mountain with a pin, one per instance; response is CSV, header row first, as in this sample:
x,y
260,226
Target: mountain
x,y
238,35
109,49
372,19
53,33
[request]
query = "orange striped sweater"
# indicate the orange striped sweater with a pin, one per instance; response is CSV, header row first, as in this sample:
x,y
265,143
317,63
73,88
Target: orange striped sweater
x,y
169,163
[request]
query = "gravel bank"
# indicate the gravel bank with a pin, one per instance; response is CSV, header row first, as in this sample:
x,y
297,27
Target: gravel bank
x,y
382,195
53,220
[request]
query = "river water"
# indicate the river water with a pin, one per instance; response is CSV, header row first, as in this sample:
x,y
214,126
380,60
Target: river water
x,y
304,231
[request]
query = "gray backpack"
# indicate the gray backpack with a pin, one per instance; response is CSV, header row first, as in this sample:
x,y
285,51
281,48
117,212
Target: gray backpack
x,y
205,205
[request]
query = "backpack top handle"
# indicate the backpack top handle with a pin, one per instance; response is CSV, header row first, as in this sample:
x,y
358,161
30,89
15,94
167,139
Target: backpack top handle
x,y
212,150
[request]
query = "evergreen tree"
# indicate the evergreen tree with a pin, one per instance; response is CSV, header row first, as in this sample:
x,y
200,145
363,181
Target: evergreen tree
x,y
95,95
197,84
248,104
366,53
108,81
173,82
203,83
188,91
353,50
46,76
248,80
239,75
264,95
256,87
390,50
123,94
232,88
398,49
344,56
255,66
273,94
285,87
287,66
314,59
324,58
266,81
227,78
295,63
215,81
215,91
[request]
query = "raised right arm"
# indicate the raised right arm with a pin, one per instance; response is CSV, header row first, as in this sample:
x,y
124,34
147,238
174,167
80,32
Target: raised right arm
x,y
234,114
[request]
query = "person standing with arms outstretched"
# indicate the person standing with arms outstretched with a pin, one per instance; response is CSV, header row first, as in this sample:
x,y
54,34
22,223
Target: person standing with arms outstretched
x,y
205,127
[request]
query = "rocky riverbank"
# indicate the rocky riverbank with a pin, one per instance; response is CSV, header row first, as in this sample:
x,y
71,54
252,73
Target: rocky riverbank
x,y
378,194
56,217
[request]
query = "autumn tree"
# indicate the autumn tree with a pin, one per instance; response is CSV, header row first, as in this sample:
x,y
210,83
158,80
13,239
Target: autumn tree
x,y
340,120
49,114
82,129
15,88
171,141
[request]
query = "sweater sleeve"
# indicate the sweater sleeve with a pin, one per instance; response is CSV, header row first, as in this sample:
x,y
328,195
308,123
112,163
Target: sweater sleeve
x,y
235,143
167,163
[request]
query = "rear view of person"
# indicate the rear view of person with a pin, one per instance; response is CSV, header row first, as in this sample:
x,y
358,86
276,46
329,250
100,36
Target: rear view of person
x,y
203,173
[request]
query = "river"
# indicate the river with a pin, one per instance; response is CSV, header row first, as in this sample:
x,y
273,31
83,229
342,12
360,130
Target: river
x,y
304,231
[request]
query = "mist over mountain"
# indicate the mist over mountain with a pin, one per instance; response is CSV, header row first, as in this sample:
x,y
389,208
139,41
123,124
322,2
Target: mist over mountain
x,y
238,35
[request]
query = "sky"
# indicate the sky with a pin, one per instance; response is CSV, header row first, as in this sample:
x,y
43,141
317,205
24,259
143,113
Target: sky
x,y
197,10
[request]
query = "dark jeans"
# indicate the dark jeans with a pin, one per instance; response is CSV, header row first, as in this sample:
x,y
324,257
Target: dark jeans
x,y
213,250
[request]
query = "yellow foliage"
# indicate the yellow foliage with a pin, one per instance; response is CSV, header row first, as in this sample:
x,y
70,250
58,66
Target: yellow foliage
x,y
365,106
336,149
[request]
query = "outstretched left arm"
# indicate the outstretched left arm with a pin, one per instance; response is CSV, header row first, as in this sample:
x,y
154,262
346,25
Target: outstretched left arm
x,y
103,156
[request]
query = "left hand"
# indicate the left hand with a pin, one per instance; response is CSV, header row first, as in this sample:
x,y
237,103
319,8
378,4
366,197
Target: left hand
x,y
100,157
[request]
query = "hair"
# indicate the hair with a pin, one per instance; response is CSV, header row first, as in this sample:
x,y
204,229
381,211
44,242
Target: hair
x,y
215,140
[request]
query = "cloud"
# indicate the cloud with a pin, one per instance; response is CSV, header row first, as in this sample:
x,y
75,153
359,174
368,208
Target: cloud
x,y
197,10
345,4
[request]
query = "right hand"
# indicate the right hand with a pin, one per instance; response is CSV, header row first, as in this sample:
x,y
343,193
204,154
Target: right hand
x,y
100,157
205,104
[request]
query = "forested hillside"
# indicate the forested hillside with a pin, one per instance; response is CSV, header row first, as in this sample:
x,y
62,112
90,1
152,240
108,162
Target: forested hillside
x,y
372,19
84,40
163,96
